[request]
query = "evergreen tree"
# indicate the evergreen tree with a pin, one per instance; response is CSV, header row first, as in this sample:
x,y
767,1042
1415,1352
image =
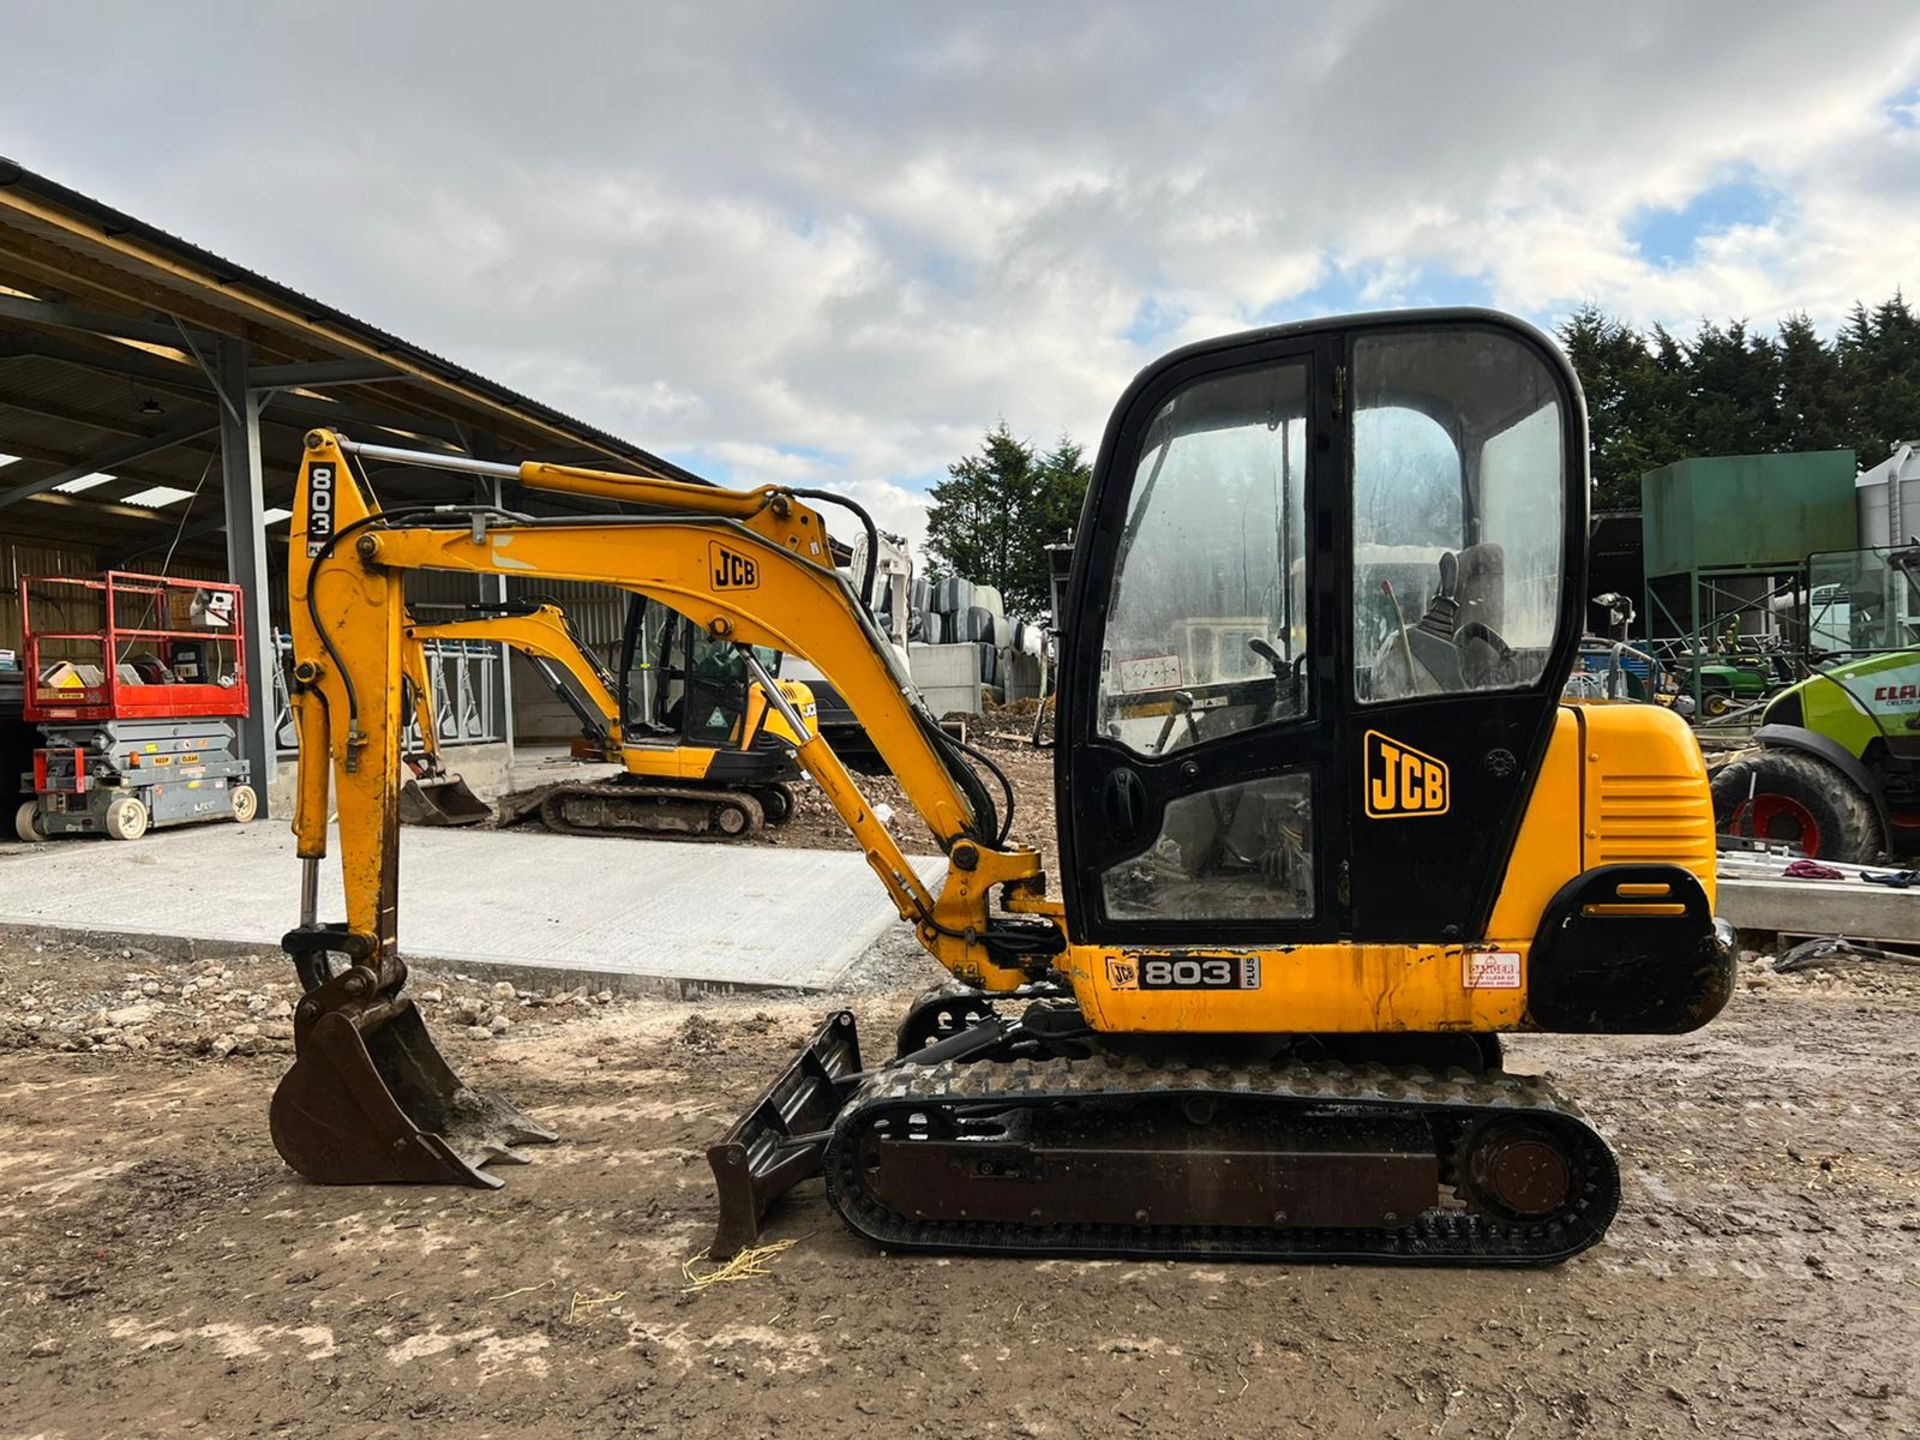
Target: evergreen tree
x,y
1630,402
1733,385
1653,398
992,518
1879,352
1813,396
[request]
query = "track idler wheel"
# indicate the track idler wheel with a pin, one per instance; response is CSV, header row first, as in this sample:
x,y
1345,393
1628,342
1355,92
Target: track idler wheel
x,y
776,801
1515,1171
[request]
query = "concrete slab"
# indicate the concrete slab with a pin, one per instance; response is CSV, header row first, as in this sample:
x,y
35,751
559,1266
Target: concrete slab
x,y
717,915
1821,907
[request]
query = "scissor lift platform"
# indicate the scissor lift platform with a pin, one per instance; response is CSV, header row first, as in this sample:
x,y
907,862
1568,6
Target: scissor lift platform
x,y
133,684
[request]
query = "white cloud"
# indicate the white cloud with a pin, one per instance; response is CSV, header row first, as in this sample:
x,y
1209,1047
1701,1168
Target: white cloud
x,y
833,244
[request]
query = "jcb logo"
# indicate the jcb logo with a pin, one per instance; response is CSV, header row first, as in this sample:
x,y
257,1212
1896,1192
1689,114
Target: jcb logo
x,y
319,508
731,571
1402,782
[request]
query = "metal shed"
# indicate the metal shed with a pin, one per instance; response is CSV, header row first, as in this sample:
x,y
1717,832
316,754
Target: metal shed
x,y
153,397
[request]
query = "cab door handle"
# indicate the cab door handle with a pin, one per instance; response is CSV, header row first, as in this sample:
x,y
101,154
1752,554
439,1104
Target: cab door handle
x,y
1123,801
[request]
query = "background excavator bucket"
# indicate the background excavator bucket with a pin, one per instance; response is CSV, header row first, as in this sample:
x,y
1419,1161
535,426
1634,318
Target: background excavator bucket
x,y
445,800
371,1101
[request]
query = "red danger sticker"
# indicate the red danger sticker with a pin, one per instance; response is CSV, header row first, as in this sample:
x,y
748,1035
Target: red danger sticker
x,y
1491,970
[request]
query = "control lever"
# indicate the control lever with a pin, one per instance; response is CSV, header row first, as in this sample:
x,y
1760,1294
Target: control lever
x,y
1182,706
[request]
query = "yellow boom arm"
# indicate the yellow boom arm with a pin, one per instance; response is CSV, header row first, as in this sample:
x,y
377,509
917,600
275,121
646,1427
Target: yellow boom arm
x,y
541,632
752,567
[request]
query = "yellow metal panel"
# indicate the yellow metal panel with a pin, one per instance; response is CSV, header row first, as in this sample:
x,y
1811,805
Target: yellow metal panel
x,y
668,761
1647,798
1547,852
1338,988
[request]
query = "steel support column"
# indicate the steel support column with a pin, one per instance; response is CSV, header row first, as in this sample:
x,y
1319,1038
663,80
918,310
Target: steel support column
x,y
491,490
247,554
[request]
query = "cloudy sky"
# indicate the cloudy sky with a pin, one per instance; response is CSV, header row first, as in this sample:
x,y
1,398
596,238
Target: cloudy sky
x,y
832,243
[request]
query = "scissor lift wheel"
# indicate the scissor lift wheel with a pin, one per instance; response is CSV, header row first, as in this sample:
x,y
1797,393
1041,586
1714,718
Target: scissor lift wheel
x,y
127,819
26,823
245,803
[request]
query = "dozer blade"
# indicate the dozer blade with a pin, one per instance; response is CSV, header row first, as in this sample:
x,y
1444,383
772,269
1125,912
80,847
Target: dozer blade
x,y
380,1105
443,801
782,1140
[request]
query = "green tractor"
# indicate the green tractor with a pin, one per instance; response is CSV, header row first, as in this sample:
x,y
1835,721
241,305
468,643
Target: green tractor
x,y
1837,771
1725,686
1837,774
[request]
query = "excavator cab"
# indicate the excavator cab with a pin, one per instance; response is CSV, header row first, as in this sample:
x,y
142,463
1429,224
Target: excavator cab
x,y
679,682
1387,521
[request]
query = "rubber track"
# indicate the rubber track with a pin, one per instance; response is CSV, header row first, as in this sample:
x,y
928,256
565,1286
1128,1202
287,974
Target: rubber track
x,y
1437,1237
644,796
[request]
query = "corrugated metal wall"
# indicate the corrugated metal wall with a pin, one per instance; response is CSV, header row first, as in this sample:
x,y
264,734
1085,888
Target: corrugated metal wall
x,y
20,558
598,613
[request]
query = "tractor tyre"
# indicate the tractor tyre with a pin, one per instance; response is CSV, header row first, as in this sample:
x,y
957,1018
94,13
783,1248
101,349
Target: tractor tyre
x,y
1801,799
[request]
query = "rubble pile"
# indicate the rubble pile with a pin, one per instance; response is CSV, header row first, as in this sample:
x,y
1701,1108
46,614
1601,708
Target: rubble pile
x,y
240,1005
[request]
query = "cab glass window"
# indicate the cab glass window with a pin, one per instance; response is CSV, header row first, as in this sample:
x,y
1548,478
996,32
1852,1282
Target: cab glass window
x,y
1207,615
1239,852
1459,493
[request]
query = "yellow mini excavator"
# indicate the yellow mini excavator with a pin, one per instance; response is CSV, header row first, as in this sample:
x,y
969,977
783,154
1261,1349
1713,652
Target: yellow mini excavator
x,y
1327,828
702,750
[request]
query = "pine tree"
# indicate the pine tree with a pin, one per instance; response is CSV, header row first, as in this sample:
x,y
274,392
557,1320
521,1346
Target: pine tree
x,y
1733,389
1813,396
991,520
1653,398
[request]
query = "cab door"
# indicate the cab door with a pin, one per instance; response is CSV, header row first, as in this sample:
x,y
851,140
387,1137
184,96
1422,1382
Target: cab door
x,y
1197,773
1326,597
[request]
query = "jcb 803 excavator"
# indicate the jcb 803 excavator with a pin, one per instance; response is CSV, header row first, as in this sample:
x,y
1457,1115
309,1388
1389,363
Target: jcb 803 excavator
x,y
702,749
1303,889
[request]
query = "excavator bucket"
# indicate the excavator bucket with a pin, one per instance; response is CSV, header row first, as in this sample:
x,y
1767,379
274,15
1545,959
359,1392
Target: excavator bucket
x,y
371,1101
782,1140
445,800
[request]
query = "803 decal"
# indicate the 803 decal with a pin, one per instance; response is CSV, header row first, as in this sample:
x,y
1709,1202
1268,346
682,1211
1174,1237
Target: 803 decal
x,y
1189,972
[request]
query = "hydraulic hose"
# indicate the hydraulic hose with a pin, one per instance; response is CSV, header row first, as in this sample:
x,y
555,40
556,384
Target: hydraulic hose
x,y
866,521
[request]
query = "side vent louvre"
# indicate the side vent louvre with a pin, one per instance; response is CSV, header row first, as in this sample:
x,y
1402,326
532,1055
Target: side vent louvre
x,y
1654,819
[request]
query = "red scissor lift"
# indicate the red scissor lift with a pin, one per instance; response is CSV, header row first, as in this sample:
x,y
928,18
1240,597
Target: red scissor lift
x,y
132,680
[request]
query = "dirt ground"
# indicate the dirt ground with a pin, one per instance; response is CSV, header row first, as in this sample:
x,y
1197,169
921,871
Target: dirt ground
x,y
162,1274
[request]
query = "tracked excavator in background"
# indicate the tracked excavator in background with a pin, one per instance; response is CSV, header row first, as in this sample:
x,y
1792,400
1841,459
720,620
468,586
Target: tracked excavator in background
x,y
702,749
1298,903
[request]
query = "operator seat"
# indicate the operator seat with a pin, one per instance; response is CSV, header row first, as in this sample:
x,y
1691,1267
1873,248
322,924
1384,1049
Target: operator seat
x,y
1471,593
